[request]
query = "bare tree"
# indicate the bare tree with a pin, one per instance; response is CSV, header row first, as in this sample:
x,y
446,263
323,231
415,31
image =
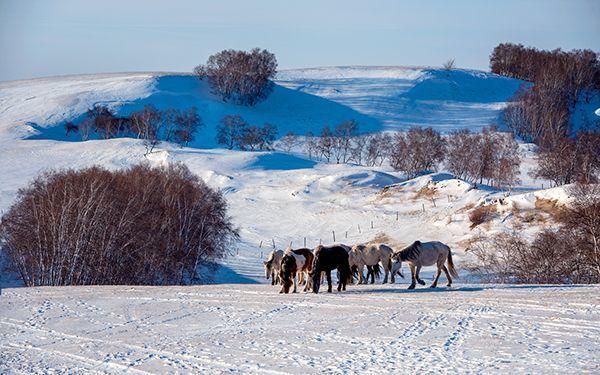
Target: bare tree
x,y
288,141
186,125
341,141
326,143
104,121
230,129
311,145
491,156
238,76
570,159
417,150
148,123
358,146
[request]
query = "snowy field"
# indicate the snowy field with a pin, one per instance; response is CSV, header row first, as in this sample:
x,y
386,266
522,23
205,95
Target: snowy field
x,y
252,329
244,326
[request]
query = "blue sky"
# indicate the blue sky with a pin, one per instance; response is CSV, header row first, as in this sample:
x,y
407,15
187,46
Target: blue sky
x,y
42,38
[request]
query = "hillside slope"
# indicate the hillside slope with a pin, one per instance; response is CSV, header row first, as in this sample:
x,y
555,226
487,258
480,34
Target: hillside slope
x,y
273,197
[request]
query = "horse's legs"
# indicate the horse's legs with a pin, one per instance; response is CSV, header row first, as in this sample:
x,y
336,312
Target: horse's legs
x,y
308,282
413,278
361,275
387,272
417,274
437,276
294,277
328,273
273,278
447,275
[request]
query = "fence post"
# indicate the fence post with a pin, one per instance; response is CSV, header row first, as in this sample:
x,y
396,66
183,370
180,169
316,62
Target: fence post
x,y
433,200
397,215
333,235
371,224
260,245
346,234
261,254
359,229
290,244
273,241
423,206
304,241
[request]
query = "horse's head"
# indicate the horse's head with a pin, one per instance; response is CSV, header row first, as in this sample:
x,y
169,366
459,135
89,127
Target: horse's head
x,y
396,264
316,280
267,266
288,268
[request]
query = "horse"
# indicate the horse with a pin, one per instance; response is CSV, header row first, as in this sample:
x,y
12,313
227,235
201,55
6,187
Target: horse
x,y
273,265
326,259
421,254
371,255
292,263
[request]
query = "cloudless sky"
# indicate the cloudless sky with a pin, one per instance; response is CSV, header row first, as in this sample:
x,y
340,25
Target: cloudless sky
x,y
42,38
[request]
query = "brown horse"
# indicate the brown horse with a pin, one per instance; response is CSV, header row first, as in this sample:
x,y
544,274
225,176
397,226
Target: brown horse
x,y
421,254
294,263
328,258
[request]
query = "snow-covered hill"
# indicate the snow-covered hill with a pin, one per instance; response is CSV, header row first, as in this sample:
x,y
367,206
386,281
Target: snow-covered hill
x,y
273,197
283,199
378,98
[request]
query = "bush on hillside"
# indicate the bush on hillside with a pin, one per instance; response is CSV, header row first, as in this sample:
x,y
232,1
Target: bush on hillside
x,y
142,225
569,254
239,76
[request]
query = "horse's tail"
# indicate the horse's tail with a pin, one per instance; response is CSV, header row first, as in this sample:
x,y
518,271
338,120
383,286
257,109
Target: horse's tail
x,y
451,268
377,271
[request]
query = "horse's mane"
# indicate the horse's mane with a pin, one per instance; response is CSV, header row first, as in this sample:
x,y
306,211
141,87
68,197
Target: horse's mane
x,y
409,252
271,256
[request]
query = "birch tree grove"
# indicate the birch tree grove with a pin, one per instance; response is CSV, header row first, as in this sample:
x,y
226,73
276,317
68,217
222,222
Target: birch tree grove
x,y
143,225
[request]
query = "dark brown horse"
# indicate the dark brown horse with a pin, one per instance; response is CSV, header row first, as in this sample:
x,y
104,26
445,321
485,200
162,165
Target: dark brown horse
x,y
328,258
295,262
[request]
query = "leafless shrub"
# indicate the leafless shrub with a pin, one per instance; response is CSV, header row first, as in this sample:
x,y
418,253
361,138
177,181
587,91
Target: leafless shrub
x,y
490,156
570,159
417,150
583,220
378,148
342,136
147,124
448,65
104,121
186,123
257,138
142,225
481,214
238,76
230,129
289,141
568,254
325,143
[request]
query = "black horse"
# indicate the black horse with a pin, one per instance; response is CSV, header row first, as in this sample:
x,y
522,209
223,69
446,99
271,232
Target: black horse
x,y
328,258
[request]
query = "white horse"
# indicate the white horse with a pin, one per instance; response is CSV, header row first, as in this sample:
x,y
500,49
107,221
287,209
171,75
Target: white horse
x,y
273,265
424,254
371,255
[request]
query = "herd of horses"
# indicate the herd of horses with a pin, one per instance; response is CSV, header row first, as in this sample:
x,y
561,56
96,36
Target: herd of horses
x,y
308,267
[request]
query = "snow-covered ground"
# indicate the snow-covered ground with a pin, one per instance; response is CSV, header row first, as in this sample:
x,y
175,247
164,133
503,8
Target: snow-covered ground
x,y
280,198
252,329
